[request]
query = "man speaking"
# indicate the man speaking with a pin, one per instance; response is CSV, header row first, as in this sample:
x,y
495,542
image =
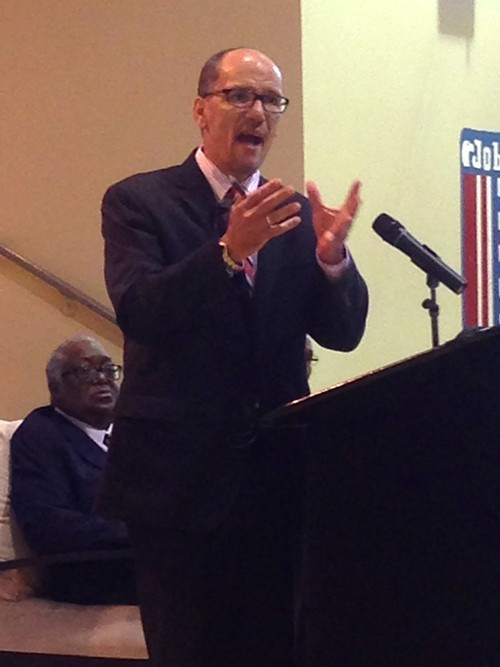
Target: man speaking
x,y
217,276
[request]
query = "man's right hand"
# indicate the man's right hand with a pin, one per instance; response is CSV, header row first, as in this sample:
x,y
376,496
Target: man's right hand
x,y
259,217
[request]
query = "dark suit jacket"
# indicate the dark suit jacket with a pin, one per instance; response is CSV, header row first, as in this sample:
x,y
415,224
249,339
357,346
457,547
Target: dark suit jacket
x,y
200,354
56,470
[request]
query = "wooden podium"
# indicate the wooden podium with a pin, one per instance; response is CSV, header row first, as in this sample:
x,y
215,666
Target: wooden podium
x,y
402,513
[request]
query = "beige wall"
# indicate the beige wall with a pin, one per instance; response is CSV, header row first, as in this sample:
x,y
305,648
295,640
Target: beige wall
x,y
92,91
387,90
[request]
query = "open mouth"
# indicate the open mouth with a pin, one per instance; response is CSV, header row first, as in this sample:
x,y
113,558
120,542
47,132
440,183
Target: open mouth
x,y
252,139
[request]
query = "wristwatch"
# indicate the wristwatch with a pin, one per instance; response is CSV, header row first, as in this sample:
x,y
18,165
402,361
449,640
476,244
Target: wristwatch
x,y
228,260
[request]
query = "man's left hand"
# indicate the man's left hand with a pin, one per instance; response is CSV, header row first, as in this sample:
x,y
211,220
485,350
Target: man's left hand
x,y
332,225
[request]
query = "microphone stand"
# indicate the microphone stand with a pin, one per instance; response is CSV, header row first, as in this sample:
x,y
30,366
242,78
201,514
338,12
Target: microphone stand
x,y
432,306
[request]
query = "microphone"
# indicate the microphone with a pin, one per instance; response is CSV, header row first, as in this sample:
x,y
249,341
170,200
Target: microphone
x,y
426,259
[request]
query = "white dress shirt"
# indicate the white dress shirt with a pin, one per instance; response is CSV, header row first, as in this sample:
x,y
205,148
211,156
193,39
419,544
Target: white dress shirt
x,y
98,435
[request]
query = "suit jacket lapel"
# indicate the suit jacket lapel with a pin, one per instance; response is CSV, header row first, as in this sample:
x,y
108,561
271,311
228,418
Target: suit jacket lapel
x,y
81,443
196,195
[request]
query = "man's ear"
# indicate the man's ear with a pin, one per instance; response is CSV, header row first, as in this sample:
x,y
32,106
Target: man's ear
x,y
199,107
54,390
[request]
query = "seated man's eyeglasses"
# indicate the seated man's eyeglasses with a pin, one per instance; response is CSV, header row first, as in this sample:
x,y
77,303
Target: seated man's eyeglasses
x,y
244,98
91,373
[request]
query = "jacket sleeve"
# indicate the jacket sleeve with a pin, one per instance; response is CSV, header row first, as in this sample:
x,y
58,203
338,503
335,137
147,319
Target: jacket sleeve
x,y
162,275
337,316
338,307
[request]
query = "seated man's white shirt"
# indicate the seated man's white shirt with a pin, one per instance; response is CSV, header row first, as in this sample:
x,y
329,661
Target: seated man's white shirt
x,y
98,435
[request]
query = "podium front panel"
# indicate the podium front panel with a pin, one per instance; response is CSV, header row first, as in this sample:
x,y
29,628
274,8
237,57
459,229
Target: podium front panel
x,y
402,531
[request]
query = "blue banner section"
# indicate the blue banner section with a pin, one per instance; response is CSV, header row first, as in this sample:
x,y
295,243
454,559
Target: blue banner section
x,y
480,152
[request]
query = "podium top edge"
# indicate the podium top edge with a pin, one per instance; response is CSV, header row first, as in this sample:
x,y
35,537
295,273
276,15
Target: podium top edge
x,y
467,337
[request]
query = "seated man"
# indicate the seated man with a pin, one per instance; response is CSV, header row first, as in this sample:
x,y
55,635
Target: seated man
x,y
57,456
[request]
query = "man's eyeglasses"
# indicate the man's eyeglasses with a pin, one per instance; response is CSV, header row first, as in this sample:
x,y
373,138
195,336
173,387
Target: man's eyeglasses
x,y
244,98
91,373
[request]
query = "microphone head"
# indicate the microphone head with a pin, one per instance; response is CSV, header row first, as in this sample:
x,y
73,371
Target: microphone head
x,y
387,228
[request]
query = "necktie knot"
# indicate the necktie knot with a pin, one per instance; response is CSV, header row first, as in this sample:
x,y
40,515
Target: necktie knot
x,y
230,196
225,205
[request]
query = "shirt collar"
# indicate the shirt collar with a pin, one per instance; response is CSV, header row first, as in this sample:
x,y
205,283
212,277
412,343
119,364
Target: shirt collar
x,y
95,434
219,182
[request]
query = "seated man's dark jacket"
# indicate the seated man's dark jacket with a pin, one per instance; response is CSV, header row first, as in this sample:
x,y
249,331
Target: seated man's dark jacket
x,y
55,473
202,356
